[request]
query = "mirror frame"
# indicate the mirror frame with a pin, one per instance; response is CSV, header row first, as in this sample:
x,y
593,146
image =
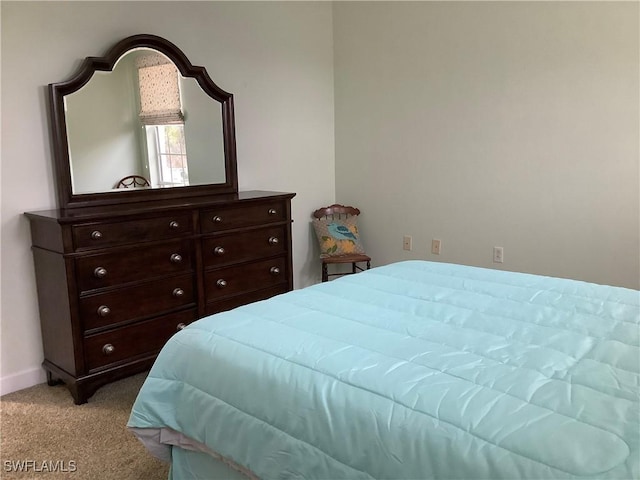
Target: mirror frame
x,y
90,65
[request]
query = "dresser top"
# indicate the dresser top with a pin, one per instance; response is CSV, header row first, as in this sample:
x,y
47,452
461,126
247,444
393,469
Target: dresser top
x,y
88,213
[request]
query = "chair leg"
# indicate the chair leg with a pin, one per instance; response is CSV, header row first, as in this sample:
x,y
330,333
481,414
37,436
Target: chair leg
x,y
368,265
325,273
353,267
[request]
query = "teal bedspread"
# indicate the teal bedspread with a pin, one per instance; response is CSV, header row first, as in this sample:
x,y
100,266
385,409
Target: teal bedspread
x,y
412,370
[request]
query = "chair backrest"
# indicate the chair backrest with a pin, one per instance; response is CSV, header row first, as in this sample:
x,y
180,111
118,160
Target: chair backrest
x,y
133,181
336,210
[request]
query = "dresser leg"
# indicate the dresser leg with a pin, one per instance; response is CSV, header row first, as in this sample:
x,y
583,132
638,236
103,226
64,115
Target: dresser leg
x,y
51,380
78,394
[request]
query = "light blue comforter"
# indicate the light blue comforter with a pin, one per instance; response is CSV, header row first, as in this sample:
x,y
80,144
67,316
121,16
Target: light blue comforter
x,y
412,370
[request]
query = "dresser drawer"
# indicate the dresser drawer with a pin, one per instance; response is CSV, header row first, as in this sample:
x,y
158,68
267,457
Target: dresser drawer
x,y
225,218
253,244
143,300
229,281
144,338
130,265
100,235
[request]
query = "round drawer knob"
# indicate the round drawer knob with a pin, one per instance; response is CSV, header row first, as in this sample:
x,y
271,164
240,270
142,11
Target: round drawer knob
x,y
108,349
100,272
181,326
274,271
96,234
272,211
177,292
173,224
221,283
103,310
219,251
176,258
216,219
274,240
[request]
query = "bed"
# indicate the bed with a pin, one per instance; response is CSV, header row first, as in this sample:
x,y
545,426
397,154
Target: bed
x,y
411,370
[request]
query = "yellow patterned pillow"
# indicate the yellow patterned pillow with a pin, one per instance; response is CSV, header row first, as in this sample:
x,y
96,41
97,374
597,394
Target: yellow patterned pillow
x,y
338,236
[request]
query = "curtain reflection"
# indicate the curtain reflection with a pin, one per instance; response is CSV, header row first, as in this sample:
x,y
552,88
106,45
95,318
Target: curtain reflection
x,y
159,86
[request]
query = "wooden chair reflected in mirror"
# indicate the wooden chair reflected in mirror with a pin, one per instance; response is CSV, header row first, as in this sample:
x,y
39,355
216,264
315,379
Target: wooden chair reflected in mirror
x,y
133,181
339,238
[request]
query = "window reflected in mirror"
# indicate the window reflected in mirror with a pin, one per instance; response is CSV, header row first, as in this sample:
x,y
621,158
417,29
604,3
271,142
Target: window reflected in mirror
x,y
163,119
167,155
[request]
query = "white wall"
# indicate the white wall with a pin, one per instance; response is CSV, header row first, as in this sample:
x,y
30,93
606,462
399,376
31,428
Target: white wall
x,y
493,123
277,60
103,130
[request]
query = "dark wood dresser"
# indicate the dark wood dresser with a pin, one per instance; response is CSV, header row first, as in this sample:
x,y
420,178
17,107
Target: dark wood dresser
x,y
115,282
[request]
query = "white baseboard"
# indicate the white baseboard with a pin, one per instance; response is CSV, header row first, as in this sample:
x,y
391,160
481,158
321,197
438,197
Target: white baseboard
x,y
21,380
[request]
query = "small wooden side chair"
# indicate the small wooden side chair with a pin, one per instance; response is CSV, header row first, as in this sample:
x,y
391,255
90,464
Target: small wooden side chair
x,y
337,211
133,181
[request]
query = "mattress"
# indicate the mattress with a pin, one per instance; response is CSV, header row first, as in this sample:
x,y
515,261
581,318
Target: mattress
x,y
411,370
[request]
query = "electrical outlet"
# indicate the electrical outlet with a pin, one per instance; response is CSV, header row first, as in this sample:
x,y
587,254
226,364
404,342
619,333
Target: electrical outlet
x,y
435,246
406,242
498,255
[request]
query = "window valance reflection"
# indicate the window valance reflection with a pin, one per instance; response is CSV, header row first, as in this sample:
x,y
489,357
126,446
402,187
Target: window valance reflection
x,y
159,86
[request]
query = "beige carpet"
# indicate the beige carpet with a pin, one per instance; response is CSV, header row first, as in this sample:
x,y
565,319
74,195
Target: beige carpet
x,y
42,424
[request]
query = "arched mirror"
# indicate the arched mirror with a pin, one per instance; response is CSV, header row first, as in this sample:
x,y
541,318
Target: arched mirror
x,y
141,123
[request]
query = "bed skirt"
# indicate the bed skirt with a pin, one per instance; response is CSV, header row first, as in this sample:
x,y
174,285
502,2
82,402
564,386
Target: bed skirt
x,y
189,458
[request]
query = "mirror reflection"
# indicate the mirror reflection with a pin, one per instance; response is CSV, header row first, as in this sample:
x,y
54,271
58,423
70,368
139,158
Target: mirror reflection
x,y
143,125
